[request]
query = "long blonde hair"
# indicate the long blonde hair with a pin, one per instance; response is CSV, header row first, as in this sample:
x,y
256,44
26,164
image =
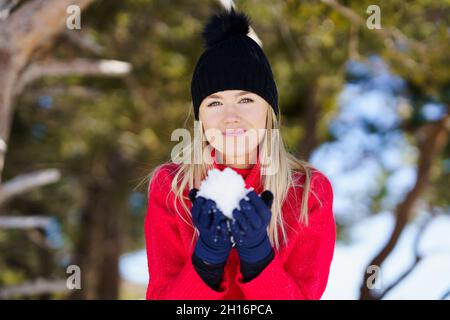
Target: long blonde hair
x,y
190,174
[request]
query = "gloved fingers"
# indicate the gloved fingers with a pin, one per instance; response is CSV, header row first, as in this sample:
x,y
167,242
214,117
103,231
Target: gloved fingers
x,y
227,225
224,230
260,206
267,197
197,209
241,220
193,194
250,214
236,230
217,217
206,214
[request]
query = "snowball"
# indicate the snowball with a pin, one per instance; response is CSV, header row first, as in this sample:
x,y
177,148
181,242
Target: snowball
x,y
226,188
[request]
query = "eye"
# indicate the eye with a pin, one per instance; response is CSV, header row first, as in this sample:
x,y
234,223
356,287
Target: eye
x,y
211,104
248,100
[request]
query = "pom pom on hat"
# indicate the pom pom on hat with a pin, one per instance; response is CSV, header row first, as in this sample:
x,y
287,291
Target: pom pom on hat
x,y
225,25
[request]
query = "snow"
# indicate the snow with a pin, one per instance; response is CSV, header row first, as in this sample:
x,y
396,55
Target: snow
x,y
429,280
133,267
226,188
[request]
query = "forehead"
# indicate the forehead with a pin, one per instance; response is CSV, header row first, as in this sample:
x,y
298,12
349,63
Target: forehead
x,y
228,93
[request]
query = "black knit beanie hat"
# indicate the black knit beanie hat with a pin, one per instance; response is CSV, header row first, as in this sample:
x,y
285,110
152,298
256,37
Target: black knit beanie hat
x,y
231,61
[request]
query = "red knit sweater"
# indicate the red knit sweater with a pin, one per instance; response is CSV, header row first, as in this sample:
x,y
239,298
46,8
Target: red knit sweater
x,y
298,271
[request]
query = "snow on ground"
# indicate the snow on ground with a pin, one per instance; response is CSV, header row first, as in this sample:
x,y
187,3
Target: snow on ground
x,y
429,280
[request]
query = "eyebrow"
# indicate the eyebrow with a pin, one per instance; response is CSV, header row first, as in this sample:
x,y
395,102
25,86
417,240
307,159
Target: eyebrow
x,y
215,96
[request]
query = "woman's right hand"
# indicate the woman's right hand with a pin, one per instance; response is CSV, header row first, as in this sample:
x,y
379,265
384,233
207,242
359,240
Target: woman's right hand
x,y
213,245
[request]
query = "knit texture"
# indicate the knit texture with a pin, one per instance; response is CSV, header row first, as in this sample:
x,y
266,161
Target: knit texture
x,y
231,61
297,271
212,274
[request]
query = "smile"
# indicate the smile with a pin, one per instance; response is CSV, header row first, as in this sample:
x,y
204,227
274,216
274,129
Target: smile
x,y
234,132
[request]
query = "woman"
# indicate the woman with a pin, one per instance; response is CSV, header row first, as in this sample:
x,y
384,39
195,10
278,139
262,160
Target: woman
x,y
281,241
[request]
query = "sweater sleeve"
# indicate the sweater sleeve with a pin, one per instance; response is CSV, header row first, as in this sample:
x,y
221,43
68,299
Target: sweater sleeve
x,y
303,272
250,270
171,272
211,274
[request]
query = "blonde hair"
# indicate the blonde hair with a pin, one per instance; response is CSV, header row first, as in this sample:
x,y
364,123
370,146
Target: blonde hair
x,y
188,175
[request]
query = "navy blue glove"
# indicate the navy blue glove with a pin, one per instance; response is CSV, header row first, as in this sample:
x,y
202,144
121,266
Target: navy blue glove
x,y
249,229
213,245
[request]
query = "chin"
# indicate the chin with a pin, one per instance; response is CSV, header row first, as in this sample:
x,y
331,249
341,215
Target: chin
x,y
239,153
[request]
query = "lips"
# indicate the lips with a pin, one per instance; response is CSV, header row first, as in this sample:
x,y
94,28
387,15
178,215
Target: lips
x,y
234,132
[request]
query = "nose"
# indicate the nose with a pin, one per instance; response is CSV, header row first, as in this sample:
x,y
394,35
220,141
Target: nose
x,y
231,114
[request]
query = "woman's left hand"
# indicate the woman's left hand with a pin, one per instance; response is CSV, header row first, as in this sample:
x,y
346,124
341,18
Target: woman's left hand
x,y
249,227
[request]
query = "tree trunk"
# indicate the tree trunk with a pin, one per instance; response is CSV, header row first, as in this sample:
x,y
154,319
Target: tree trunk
x,y
309,141
101,234
99,246
30,27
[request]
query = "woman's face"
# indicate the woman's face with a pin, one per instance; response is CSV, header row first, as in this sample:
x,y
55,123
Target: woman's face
x,y
234,122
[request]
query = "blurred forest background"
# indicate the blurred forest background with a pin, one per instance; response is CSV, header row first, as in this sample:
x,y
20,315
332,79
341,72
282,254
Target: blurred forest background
x,y
86,114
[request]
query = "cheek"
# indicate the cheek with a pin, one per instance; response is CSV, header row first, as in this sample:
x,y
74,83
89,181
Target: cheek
x,y
259,123
210,123
256,117
209,119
